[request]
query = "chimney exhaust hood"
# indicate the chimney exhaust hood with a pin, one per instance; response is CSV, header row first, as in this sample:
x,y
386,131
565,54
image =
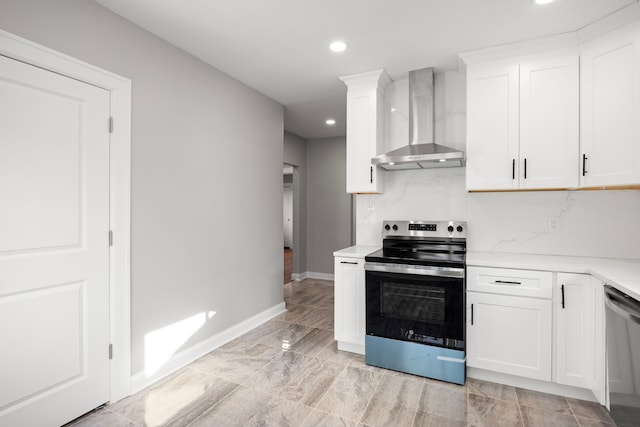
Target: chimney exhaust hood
x,y
422,152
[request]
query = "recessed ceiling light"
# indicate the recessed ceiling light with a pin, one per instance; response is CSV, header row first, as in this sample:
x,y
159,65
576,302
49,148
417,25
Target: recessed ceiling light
x,y
543,1
338,46
330,122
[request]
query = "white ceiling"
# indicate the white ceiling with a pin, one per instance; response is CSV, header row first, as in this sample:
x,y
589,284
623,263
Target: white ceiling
x,y
280,47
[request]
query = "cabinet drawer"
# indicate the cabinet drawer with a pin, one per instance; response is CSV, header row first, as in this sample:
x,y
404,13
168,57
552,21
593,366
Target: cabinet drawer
x,y
530,283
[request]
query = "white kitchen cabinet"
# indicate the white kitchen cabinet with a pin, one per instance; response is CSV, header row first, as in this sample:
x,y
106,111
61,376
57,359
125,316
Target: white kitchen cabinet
x,y
349,311
509,334
522,123
365,130
610,108
575,330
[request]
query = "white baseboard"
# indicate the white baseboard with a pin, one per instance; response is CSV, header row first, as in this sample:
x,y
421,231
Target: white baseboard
x,y
311,275
179,360
298,276
320,276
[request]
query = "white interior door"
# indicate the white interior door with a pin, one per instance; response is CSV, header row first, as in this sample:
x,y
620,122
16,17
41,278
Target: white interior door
x,y
54,248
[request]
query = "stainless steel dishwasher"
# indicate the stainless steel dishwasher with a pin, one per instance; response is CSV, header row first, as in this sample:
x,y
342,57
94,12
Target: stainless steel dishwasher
x,y
623,357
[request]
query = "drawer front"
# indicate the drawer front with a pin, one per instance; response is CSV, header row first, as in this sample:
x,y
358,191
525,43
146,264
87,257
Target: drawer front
x,y
529,283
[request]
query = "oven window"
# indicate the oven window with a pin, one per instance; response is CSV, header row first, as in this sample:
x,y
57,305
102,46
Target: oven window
x,y
419,308
413,302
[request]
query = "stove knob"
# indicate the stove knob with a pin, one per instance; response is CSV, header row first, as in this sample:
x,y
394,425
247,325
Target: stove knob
x,y
387,227
459,229
450,228
395,227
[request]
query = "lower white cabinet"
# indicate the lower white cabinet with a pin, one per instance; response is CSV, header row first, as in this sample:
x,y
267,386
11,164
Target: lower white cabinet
x,y
575,328
537,324
580,345
349,284
509,334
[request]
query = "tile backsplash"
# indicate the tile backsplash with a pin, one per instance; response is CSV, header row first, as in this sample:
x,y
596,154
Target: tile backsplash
x,y
577,223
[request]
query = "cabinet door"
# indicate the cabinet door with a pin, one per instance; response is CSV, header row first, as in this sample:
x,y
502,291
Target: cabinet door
x,y
349,302
492,127
509,334
365,130
610,108
549,103
575,330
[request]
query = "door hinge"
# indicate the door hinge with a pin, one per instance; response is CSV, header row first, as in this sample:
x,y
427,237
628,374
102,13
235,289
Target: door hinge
x,y
110,237
110,124
110,351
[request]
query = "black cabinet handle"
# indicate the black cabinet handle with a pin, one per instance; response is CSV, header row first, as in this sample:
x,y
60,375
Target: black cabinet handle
x,y
584,164
562,292
525,168
513,169
348,262
371,171
472,314
508,282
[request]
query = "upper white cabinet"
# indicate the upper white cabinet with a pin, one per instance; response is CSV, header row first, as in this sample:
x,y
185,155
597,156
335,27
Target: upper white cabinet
x,y
522,123
365,130
610,109
492,127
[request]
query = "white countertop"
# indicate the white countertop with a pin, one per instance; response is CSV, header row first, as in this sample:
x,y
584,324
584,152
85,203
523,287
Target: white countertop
x,y
357,251
624,274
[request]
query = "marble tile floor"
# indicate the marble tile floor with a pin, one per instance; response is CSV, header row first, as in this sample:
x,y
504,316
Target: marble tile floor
x,y
289,372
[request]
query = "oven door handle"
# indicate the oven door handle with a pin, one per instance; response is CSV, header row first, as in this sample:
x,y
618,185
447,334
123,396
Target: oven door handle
x,y
403,269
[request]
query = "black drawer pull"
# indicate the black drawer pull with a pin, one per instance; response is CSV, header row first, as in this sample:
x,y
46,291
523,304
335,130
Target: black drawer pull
x,y
508,282
348,262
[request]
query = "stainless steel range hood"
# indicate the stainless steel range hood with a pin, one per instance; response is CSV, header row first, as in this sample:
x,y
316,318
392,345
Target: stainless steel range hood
x,y
422,152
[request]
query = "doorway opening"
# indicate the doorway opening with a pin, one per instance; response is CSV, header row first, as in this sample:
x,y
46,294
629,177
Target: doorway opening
x,y
287,220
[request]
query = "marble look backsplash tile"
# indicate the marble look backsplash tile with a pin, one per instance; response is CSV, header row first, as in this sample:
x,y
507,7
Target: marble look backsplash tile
x,y
576,223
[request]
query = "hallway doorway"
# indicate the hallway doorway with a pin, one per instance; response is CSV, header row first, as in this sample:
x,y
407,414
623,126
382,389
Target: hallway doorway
x,y
287,220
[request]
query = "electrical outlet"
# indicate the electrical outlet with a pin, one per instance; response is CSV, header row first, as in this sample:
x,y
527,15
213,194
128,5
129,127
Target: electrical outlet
x,y
554,224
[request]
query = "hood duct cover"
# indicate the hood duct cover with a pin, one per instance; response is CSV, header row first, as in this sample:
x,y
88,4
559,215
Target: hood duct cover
x,y
422,152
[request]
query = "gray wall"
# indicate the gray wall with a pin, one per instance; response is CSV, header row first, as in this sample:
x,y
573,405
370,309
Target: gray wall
x,y
189,249
328,205
295,154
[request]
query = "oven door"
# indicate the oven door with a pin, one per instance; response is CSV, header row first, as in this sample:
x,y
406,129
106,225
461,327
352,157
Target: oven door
x,y
418,304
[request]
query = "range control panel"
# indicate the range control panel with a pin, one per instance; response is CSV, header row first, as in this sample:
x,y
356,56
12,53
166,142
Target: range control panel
x,y
424,229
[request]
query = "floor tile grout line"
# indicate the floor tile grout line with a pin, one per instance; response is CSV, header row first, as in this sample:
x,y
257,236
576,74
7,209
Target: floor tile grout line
x,y
273,396
415,416
372,394
515,390
333,381
211,408
572,411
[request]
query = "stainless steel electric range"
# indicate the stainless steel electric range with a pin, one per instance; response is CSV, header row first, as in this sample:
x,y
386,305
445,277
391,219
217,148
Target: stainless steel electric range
x,y
415,299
